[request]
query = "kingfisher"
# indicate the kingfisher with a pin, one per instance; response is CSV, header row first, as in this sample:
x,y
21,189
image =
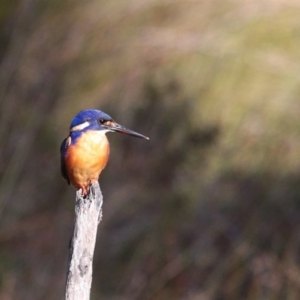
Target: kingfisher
x,y
85,152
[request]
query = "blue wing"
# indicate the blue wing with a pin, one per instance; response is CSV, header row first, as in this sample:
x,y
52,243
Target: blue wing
x,y
63,150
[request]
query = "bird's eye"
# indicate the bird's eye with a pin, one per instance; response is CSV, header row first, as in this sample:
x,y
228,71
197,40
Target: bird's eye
x,y
101,121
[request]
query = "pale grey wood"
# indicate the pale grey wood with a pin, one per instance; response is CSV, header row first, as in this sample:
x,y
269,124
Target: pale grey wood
x,y
88,214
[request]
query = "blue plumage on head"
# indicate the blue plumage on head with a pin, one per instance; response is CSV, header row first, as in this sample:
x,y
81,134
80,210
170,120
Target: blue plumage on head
x,y
87,116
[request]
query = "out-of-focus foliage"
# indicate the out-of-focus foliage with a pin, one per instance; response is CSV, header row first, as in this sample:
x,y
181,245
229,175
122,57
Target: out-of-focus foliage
x,y
209,208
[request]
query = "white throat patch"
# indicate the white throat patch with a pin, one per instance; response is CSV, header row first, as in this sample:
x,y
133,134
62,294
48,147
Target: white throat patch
x,y
105,131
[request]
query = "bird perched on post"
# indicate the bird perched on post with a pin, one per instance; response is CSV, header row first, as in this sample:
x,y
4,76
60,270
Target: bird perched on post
x,y
85,152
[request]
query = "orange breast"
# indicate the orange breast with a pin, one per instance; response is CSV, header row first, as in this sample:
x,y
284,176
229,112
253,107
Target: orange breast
x,y
87,158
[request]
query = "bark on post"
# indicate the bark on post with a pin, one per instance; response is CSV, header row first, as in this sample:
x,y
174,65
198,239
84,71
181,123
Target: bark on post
x,y
88,214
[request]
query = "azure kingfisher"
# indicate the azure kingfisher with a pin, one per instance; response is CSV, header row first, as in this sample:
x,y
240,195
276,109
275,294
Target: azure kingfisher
x,y
85,152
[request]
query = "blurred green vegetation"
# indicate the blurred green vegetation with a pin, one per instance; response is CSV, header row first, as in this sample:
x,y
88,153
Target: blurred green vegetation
x,y
209,208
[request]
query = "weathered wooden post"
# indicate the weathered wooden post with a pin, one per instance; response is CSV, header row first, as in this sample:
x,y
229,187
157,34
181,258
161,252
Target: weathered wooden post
x,y
88,214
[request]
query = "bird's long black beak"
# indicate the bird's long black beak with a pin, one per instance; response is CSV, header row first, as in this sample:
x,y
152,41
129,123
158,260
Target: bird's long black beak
x,y
113,126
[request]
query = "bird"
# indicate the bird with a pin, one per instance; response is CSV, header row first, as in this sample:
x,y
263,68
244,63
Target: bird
x,y
85,152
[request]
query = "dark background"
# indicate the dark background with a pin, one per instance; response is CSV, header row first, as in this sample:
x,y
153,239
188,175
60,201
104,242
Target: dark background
x,y
209,208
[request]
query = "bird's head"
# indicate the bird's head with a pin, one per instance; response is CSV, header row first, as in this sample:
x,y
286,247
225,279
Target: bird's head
x,y
92,119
